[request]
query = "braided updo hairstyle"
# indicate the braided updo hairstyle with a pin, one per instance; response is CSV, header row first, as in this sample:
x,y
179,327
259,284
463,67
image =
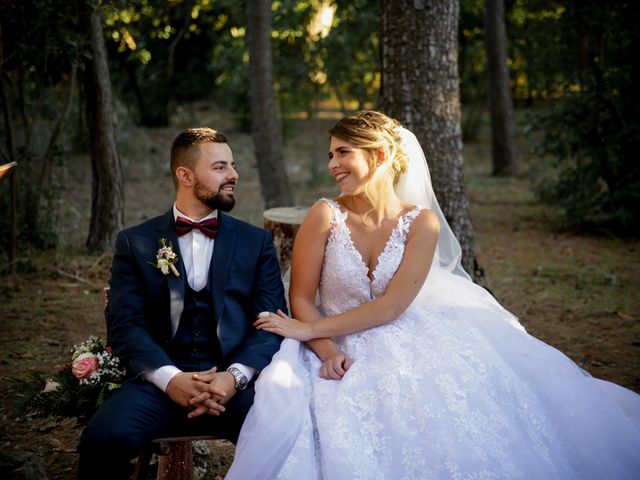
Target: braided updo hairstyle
x,y
375,132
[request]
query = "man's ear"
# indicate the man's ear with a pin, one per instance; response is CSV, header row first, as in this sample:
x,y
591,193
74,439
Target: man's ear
x,y
185,176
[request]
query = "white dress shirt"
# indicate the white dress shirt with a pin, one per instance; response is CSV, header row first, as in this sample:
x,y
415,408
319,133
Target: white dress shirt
x,y
196,250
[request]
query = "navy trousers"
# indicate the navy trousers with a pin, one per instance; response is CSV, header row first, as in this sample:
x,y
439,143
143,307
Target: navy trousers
x,y
139,412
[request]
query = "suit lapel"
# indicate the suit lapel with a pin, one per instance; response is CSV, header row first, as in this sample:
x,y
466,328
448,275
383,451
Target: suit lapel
x,y
223,251
176,285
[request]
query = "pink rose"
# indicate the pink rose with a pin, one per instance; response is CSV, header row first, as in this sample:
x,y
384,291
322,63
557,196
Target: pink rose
x,y
84,366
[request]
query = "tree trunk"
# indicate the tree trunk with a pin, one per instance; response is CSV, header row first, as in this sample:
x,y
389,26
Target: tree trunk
x,y
503,151
267,139
420,89
107,194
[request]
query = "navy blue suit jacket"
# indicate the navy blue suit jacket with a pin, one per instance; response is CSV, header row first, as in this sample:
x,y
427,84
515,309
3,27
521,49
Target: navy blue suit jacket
x,y
244,279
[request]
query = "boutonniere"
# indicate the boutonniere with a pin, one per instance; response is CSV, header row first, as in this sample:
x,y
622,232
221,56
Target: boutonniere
x,y
166,259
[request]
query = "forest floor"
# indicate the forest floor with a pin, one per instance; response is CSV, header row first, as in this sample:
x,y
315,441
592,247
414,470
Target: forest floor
x,y
579,293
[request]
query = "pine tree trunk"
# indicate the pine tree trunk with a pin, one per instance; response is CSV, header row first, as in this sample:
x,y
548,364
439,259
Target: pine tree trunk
x,y
267,139
107,193
420,89
502,122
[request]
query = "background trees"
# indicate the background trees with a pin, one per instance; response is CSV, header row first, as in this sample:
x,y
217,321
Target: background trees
x,y
590,133
41,49
503,150
267,139
570,74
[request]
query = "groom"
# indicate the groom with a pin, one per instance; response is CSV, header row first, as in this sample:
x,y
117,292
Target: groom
x,y
180,317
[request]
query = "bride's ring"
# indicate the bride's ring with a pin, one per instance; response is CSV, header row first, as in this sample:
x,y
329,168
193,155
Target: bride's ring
x,y
275,324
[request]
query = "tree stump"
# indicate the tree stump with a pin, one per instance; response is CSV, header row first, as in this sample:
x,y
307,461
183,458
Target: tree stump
x,y
283,223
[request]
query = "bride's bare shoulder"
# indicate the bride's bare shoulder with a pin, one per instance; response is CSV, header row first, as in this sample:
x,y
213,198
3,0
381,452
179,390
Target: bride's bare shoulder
x,y
319,215
426,223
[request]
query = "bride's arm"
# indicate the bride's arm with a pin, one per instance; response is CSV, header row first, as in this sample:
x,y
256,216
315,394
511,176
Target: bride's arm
x,y
306,266
401,291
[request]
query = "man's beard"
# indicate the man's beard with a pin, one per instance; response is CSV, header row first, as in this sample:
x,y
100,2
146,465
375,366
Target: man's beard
x,y
214,200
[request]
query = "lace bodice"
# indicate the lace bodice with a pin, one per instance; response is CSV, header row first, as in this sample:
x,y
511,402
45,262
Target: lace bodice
x,y
344,282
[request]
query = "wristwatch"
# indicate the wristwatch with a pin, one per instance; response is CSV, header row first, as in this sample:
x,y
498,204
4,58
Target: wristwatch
x,y
241,380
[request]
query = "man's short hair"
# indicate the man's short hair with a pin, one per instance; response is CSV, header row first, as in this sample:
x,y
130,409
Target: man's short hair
x,y
185,148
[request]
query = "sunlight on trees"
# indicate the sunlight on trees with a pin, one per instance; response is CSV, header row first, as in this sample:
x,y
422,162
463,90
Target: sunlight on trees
x,y
570,60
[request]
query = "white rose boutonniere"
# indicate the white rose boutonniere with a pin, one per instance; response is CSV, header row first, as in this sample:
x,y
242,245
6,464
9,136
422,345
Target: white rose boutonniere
x,y
166,259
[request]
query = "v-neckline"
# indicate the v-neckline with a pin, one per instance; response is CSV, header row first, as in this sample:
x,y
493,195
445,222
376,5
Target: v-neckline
x,y
371,273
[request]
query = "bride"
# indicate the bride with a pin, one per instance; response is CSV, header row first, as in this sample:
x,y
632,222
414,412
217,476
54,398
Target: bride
x,y
409,370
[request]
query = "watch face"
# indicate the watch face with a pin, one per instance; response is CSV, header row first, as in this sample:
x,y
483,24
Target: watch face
x,y
241,380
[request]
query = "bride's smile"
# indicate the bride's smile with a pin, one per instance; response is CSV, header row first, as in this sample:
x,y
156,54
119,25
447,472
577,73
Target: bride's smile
x,y
349,166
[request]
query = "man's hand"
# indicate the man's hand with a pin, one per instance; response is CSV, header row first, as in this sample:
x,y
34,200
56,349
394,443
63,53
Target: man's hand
x,y
219,388
335,366
185,386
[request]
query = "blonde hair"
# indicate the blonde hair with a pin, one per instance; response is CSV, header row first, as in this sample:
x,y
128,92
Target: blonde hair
x,y
375,132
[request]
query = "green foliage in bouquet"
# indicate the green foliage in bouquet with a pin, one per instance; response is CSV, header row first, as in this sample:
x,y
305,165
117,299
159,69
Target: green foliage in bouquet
x,y
77,389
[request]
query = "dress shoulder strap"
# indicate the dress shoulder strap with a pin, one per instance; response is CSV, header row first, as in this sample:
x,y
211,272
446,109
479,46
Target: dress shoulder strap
x,y
407,219
411,216
339,217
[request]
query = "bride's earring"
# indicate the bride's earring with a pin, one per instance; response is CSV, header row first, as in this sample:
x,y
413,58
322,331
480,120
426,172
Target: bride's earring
x,y
380,156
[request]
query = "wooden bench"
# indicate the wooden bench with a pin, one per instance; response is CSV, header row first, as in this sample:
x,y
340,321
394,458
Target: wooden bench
x,y
175,458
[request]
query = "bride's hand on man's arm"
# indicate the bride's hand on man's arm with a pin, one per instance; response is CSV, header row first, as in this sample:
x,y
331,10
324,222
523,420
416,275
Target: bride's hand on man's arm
x,y
282,324
334,364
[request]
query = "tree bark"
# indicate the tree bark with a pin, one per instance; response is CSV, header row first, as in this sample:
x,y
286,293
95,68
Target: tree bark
x,y
267,139
503,152
420,89
107,194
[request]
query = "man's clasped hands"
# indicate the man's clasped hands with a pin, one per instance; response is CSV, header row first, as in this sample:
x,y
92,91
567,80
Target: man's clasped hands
x,y
202,392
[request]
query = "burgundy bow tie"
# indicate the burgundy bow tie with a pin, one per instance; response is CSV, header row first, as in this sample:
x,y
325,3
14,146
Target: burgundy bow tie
x,y
208,227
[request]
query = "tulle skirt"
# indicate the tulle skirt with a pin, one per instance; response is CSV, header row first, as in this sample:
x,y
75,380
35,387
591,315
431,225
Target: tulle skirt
x,y
443,392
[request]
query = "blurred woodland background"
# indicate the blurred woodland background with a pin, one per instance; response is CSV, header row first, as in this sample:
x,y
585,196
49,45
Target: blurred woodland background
x,y
528,111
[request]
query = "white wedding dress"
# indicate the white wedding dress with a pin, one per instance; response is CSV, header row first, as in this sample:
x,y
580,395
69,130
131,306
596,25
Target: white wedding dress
x,y
452,389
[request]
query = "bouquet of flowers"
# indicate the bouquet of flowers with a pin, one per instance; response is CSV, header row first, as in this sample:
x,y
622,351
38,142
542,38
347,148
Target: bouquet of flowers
x,y
77,389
